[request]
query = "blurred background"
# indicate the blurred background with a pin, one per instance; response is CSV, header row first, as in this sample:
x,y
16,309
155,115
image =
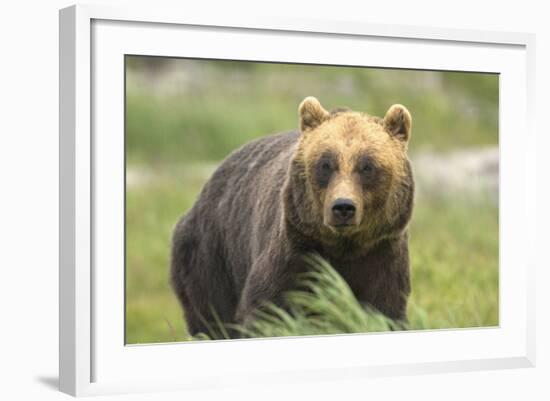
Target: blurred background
x,y
184,116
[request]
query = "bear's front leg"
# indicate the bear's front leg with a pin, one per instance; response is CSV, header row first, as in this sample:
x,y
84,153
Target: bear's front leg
x,y
381,278
269,277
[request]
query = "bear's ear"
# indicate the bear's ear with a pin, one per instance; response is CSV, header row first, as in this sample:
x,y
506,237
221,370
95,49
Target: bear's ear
x,y
311,113
398,122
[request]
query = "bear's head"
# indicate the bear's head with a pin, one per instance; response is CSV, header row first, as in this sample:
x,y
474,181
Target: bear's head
x,y
350,176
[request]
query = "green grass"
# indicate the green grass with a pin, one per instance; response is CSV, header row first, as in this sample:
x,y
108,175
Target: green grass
x,y
453,251
454,258
152,312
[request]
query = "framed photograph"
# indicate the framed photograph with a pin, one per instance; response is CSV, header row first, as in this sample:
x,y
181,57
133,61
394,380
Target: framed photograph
x,y
271,201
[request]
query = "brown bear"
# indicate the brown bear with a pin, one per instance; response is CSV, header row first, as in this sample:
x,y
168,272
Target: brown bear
x,y
341,186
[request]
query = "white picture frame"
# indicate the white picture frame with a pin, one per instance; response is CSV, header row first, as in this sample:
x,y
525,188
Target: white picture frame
x,y
93,357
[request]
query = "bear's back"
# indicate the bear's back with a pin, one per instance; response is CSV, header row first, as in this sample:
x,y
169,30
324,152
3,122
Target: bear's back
x,y
241,202
247,167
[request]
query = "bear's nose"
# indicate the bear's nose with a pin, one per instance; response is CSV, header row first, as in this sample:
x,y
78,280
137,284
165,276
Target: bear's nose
x,y
343,210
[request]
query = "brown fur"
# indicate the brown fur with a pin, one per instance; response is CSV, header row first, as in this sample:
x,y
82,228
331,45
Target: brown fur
x,y
272,201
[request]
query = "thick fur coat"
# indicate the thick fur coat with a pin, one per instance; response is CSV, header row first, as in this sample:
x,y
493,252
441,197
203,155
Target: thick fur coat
x,y
341,186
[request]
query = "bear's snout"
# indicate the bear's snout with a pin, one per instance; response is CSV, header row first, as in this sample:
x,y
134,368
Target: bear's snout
x,y
343,211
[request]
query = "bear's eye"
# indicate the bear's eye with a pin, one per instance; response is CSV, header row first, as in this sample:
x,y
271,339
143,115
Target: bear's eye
x,y
325,166
367,168
324,169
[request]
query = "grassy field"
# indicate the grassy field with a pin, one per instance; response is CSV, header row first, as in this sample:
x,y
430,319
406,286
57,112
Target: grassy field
x,y
181,124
